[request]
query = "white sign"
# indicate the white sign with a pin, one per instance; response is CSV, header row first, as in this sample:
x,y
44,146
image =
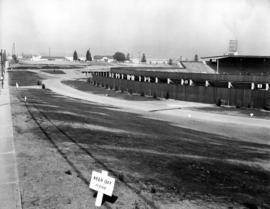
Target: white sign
x,y
103,184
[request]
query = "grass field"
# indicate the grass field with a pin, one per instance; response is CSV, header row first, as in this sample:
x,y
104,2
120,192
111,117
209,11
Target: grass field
x,y
83,85
23,78
157,165
54,71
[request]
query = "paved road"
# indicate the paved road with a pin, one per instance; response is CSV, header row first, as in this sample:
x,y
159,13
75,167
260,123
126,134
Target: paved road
x,y
9,184
174,111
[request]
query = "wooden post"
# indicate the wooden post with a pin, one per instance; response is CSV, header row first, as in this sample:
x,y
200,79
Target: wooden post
x,y
100,194
217,66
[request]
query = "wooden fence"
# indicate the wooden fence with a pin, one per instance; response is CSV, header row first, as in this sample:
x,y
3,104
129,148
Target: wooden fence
x,y
242,97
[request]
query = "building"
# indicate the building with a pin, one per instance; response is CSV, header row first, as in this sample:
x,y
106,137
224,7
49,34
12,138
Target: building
x,y
103,58
239,64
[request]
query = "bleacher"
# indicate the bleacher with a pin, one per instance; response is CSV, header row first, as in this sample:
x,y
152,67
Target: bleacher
x,y
241,65
197,67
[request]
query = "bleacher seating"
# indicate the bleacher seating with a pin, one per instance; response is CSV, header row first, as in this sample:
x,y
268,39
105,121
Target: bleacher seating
x,y
197,67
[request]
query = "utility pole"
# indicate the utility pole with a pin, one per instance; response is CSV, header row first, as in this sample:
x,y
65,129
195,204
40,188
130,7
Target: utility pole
x,y
1,63
13,49
2,70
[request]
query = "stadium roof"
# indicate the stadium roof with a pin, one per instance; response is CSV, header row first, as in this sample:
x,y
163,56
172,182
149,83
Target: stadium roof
x,y
238,56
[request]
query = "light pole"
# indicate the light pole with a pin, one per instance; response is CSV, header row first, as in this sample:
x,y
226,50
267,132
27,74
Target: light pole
x,y
2,73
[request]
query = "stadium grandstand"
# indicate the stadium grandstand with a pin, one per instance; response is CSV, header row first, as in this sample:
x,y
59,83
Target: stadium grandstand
x,y
196,67
239,64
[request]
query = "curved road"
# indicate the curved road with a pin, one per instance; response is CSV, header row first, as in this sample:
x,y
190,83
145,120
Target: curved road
x,y
238,127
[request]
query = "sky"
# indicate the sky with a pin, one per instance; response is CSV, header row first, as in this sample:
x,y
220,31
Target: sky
x,y
158,28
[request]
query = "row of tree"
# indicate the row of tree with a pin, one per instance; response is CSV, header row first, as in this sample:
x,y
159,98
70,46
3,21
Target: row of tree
x,y
88,56
120,57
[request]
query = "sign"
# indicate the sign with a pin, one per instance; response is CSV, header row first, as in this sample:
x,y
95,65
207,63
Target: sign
x,y
103,184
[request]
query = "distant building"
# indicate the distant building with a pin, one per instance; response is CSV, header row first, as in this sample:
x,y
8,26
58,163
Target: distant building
x,y
103,58
152,61
55,58
157,60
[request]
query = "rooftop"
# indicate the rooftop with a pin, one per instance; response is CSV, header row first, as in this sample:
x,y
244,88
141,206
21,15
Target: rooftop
x,y
235,56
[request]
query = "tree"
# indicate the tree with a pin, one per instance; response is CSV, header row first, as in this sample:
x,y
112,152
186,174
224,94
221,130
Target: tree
x,y
128,57
88,55
143,58
14,58
75,56
196,58
170,61
119,56
4,56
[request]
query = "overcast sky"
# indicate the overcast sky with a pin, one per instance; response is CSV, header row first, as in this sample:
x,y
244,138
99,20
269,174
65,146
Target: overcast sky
x,y
159,28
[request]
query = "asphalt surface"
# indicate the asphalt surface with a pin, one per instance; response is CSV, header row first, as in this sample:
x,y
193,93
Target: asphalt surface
x,y
9,183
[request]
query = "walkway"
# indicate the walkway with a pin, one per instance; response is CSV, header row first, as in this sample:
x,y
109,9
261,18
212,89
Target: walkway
x,y
9,185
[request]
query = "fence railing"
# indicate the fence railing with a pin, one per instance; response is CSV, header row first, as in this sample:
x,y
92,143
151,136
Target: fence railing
x,y
241,92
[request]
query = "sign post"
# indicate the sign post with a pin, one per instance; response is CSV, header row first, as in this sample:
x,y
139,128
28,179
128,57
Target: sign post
x,y
103,184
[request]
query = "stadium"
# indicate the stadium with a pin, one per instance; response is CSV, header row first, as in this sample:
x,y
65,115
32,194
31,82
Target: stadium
x,y
234,80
